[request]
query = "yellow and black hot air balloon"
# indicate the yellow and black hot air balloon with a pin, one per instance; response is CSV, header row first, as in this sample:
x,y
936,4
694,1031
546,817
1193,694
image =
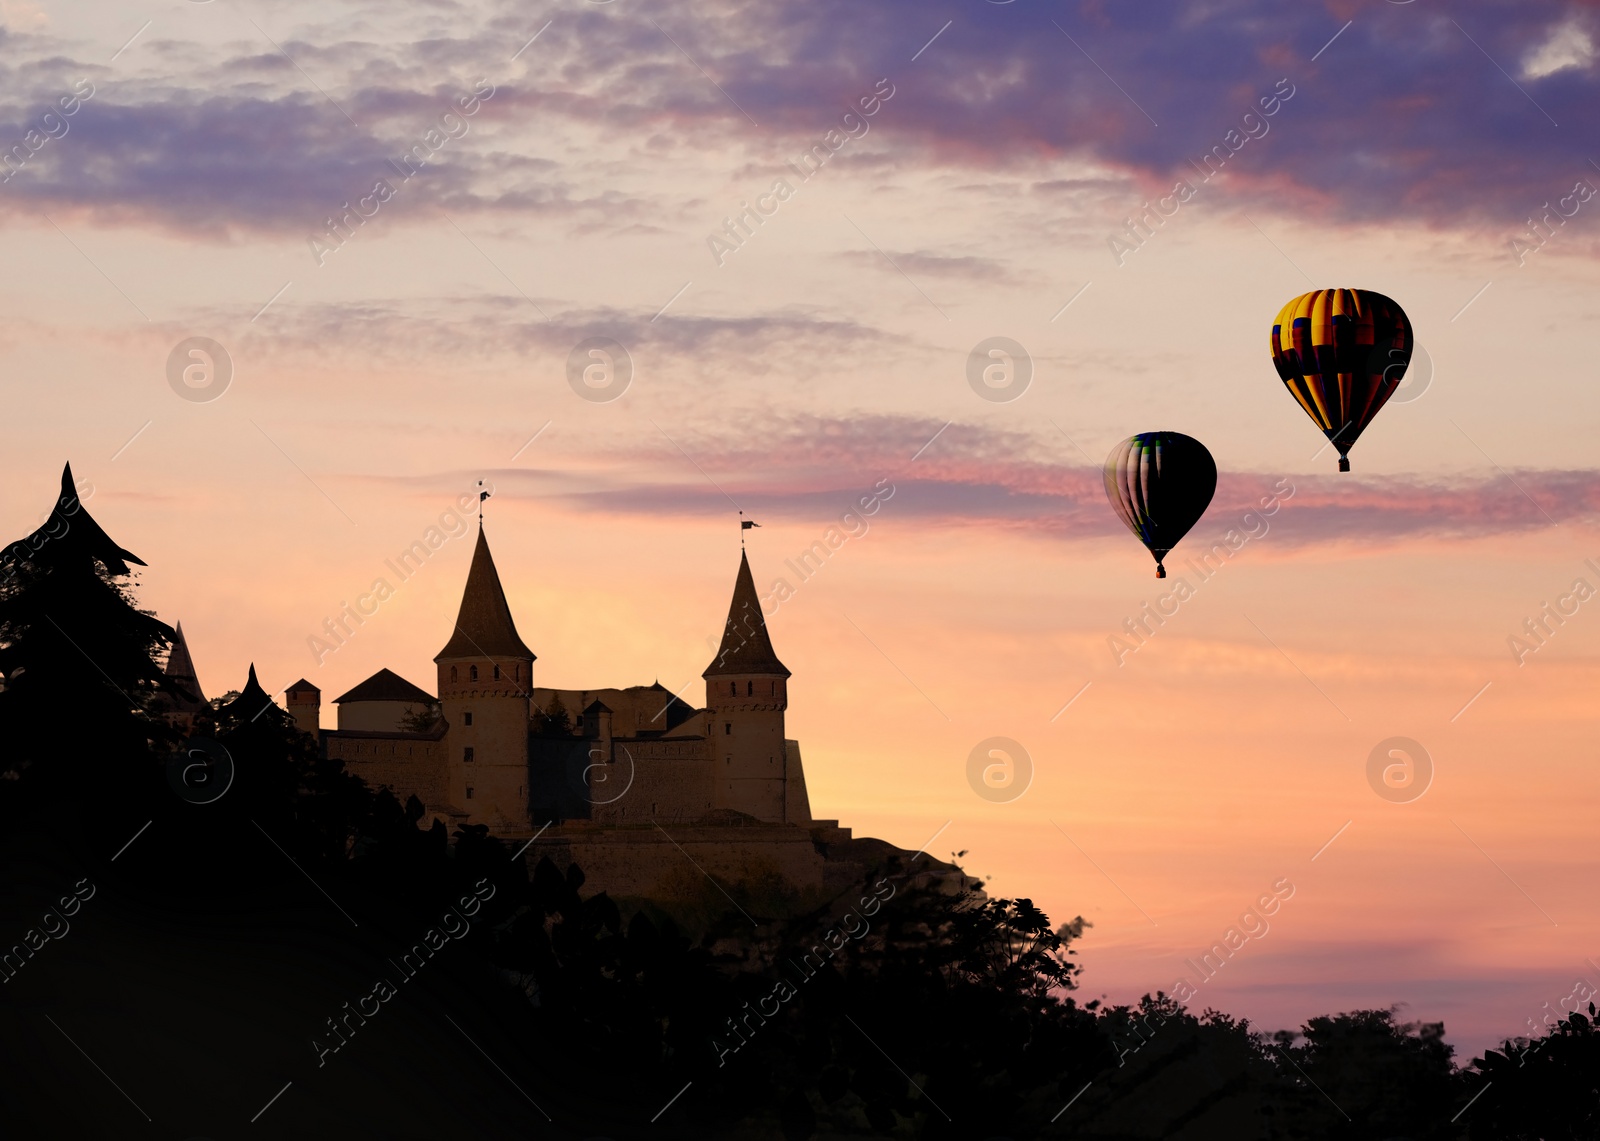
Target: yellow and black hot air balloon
x,y
1342,353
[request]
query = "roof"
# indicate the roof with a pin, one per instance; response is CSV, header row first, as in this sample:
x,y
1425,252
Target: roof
x,y
746,646
386,685
70,517
180,668
251,702
301,686
484,628
596,706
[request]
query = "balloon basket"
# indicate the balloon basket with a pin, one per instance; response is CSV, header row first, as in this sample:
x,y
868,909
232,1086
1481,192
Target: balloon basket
x,y
1161,571
1344,463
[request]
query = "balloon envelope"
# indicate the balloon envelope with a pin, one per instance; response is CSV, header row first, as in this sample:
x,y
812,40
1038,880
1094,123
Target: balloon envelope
x,y
1160,483
1341,353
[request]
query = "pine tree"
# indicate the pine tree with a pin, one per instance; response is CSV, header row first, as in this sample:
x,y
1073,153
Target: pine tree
x,y
78,657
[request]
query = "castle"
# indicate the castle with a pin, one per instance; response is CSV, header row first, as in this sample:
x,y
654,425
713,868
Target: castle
x,y
647,794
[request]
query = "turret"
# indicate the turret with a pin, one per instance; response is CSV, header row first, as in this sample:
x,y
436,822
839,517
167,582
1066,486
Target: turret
x,y
186,701
305,706
746,694
485,689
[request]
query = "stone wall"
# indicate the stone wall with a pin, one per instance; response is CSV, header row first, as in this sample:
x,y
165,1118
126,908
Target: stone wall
x,y
668,780
409,764
645,862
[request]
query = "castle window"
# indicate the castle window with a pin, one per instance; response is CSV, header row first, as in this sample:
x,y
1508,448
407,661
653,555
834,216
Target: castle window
x,y
472,673
749,689
466,718
727,728
466,754
469,793
452,673
733,689
496,673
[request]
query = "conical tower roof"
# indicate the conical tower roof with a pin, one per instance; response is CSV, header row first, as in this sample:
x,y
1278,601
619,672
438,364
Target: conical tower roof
x,y
180,668
250,703
746,646
484,628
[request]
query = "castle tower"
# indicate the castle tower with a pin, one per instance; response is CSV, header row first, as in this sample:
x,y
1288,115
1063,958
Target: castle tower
x,y
181,709
746,694
305,705
485,690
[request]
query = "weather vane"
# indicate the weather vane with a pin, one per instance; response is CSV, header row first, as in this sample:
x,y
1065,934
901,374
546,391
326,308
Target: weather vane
x,y
745,525
482,495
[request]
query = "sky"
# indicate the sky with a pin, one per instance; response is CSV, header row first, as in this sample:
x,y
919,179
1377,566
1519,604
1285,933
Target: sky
x,y
405,228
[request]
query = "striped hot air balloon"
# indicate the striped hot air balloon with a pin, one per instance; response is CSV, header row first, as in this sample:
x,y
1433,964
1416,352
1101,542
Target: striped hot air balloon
x,y
1341,353
1159,484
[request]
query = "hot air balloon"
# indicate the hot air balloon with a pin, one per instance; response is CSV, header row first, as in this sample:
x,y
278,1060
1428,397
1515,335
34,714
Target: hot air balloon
x,y
1160,483
1342,353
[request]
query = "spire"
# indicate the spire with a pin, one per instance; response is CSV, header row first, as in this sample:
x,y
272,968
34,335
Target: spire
x,y
70,522
746,646
180,668
484,627
251,702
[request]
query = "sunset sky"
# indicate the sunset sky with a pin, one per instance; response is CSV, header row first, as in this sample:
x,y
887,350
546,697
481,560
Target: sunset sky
x,y
1429,152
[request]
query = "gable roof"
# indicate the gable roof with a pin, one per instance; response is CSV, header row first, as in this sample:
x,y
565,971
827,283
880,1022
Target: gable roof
x,y
746,646
386,685
484,628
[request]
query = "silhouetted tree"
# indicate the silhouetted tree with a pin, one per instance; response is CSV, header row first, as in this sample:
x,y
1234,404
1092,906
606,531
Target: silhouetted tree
x,y
1362,1075
554,721
1547,1089
79,659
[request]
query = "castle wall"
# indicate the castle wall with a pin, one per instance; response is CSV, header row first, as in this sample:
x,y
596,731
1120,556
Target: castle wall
x,y
634,710
642,862
796,801
376,716
667,780
407,764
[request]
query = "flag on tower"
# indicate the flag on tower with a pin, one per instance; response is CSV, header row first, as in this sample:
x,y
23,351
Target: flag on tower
x,y
746,524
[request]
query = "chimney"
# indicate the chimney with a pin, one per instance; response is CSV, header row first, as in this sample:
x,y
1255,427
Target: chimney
x,y
305,706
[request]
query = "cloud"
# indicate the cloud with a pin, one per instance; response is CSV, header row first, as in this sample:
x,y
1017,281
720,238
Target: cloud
x,y
926,263
808,468
1401,114
1569,46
